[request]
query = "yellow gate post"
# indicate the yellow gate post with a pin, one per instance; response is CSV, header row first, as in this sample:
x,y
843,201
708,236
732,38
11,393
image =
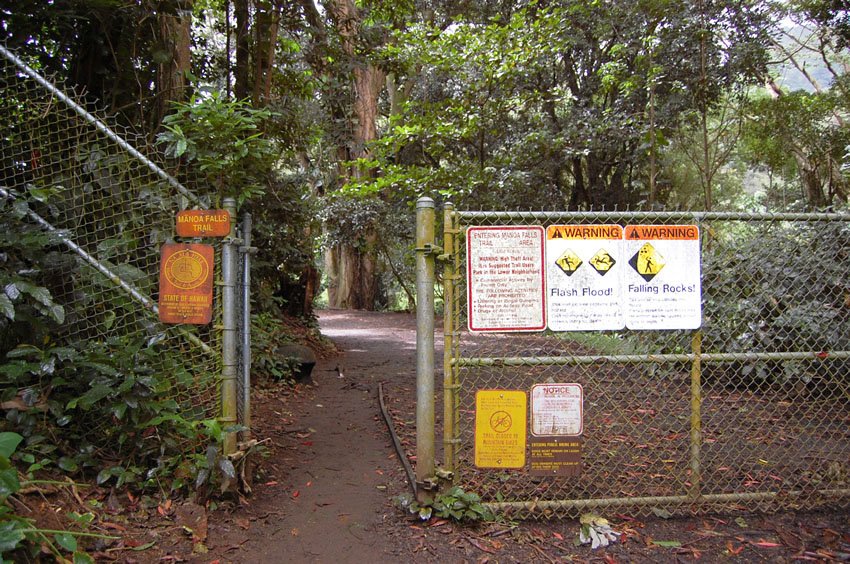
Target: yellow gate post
x,y
450,384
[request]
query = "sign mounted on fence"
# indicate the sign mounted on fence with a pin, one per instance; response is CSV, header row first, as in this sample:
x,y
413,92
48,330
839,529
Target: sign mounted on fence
x,y
557,409
186,283
662,281
500,427
583,277
203,223
506,278
555,456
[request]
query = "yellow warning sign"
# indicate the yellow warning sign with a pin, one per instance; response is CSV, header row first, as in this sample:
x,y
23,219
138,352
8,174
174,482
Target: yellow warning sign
x,y
569,262
602,261
647,262
500,428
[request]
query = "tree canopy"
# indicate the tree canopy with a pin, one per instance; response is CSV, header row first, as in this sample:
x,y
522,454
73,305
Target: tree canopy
x,y
490,103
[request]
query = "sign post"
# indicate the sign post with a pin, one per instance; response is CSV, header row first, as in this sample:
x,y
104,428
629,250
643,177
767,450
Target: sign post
x,y
203,223
557,422
500,428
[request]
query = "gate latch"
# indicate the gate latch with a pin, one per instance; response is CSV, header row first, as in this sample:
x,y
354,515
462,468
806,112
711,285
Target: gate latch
x,y
429,249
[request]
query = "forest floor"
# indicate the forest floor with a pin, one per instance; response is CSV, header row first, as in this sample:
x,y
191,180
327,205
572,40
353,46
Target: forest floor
x,y
324,491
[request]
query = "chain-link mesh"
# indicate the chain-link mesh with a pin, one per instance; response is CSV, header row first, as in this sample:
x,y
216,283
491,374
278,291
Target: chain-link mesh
x,y
114,210
750,412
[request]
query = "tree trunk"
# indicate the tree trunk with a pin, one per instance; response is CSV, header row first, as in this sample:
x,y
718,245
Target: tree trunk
x,y
352,275
243,50
175,41
265,39
353,270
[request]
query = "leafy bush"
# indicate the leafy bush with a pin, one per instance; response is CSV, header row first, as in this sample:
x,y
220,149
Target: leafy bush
x,y
454,503
778,289
225,140
18,533
267,333
97,405
27,266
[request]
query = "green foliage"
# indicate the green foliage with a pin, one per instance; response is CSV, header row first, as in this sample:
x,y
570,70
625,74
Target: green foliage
x,y
100,402
27,265
796,123
226,142
549,107
19,534
455,504
267,333
759,300
285,233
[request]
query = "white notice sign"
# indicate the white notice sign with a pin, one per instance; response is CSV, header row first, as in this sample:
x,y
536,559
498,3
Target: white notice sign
x,y
505,278
557,410
662,280
584,267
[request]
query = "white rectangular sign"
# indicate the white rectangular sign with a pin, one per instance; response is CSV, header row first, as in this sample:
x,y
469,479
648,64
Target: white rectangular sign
x,y
557,410
505,278
583,277
662,280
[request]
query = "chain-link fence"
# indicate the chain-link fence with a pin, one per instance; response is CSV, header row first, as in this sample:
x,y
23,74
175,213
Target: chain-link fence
x,y
109,209
750,410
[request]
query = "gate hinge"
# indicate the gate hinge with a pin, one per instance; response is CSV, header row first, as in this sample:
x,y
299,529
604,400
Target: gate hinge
x,y
429,484
446,257
444,474
429,249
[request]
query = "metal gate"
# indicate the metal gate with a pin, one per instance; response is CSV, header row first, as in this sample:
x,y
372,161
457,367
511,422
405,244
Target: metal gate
x,y
110,208
749,412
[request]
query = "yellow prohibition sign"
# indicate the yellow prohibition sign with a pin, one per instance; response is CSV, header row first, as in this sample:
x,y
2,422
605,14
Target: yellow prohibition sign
x,y
500,428
186,269
501,421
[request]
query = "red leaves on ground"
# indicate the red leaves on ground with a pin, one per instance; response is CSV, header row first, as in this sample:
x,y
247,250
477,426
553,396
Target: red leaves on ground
x,y
731,549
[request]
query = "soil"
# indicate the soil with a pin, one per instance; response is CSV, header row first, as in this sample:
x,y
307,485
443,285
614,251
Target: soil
x,y
324,490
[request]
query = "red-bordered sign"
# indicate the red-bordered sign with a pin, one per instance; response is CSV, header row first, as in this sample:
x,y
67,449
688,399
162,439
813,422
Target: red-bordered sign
x,y
505,273
557,409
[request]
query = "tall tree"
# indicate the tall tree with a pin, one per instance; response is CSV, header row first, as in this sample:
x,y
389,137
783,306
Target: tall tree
x,y
173,53
555,106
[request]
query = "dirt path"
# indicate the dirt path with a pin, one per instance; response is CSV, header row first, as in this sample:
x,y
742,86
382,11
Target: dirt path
x,y
333,470
324,492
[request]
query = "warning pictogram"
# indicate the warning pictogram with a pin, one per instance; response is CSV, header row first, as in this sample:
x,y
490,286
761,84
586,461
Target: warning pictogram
x,y
662,282
500,428
647,262
569,262
588,297
602,262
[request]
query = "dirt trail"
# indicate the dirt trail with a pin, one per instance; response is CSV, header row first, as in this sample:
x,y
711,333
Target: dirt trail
x,y
333,470
324,493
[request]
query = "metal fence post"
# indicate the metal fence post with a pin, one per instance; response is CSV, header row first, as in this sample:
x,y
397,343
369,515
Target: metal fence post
x,y
696,416
229,338
449,376
425,251
247,250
